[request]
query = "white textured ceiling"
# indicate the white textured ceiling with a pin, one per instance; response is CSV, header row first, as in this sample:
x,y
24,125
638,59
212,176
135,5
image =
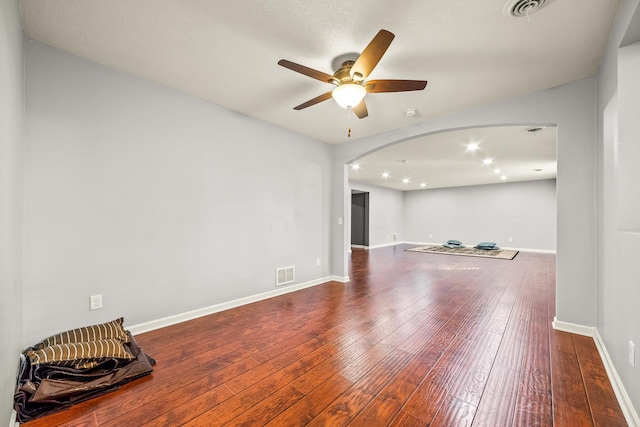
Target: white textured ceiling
x,y
226,52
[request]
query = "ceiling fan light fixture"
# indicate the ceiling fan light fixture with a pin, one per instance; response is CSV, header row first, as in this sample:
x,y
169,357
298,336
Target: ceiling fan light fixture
x,y
350,78
349,95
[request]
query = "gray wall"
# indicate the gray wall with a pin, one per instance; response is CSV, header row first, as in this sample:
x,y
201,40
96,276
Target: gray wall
x,y
618,136
386,207
161,202
524,211
571,107
11,136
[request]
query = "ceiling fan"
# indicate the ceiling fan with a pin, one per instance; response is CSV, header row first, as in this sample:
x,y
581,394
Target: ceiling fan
x,y
349,79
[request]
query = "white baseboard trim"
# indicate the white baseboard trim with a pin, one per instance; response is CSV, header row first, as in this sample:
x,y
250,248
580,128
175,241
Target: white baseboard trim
x,y
573,328
630,414
384,245
12,420
205,311
539,251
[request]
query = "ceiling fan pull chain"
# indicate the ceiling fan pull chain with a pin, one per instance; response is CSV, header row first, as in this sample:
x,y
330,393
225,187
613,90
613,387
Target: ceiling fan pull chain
x,y
349,123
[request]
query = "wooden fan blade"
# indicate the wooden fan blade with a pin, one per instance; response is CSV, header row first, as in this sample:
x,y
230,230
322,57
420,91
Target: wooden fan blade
x,y
378,86
314,101
361,110
310,72
372,54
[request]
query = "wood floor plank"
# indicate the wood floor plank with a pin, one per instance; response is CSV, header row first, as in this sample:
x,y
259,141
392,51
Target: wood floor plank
x,y
454,412
468,355
175,415
384,407
497,404
307,408
350,403
412,340
349,351
318,375
169,394
310,353
81,411
534,401
432,391
177,401
88,420
76,416
468,386
605,411
570,404
406,420
269,408
233,407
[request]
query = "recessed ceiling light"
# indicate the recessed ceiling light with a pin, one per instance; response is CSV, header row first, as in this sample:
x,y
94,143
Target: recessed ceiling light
x,y
503,177
472,146
405,180
497,170
385,175
422,184
355,166
487,161
410,112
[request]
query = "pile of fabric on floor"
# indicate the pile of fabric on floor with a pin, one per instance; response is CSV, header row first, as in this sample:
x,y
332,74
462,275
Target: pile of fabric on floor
x,y
75,366
452,244
487,246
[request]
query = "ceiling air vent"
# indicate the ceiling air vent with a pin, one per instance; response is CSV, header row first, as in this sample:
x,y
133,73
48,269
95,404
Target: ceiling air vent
x,y
519,8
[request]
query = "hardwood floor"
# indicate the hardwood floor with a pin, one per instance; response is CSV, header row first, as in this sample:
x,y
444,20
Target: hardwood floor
x,y
414,339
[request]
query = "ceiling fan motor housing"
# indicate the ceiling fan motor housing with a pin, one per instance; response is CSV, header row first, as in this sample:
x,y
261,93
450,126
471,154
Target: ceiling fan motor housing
x,y
343,75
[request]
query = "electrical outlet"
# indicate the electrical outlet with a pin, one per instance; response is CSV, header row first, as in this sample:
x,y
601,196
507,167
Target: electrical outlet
x,y
510,239
431,236
393,237
632,354
317,261
95,302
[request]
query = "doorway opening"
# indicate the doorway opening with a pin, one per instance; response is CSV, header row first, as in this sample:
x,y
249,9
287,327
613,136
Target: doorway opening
x,y
359,219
